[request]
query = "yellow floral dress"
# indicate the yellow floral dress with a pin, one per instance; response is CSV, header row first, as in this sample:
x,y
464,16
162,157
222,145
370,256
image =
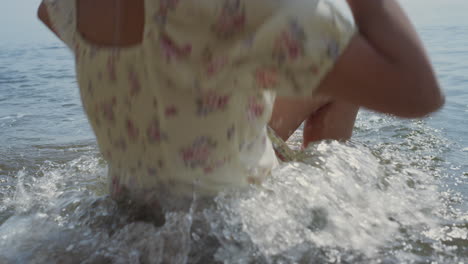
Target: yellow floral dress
x,y
188,107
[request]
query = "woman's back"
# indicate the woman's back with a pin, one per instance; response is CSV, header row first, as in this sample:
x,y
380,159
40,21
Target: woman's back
x,y
179,92
181,97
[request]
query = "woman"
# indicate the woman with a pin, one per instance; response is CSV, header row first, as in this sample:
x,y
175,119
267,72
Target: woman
x,y
180,93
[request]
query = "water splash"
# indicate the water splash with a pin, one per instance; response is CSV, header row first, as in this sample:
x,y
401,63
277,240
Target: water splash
x,y
344,205
344,202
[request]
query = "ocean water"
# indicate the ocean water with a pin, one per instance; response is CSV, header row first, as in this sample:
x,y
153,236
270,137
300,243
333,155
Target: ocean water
x,y
396,193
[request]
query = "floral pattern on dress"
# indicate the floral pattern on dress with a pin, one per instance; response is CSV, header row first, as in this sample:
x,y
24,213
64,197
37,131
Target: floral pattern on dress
x,y
154,133
133,132
164,7
120,144
116,187
198,154
107,109
111,64
171,111
231,19
213,64
171,50
211,101
134,83
212,166
255,108
141,100
289,44
266,77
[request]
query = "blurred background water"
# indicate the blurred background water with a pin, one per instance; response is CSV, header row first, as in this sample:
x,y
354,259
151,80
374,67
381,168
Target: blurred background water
x,y
397,193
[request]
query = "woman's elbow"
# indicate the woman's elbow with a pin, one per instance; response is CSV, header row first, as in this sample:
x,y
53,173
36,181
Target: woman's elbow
x,y
426,101
424,109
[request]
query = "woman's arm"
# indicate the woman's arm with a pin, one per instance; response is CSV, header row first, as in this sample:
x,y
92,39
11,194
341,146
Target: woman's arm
x,y
385,67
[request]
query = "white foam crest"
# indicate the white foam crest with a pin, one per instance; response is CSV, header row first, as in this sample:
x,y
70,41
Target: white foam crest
x,y
62,217
345,200
43,188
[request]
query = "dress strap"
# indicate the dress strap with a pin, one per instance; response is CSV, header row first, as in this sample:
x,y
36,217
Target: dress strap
x,y
62,14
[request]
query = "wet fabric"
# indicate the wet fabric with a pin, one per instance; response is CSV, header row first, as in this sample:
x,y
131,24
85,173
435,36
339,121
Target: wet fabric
x,y
187,109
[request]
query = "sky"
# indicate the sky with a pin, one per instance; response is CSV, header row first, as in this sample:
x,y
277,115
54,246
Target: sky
x,y
18,20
